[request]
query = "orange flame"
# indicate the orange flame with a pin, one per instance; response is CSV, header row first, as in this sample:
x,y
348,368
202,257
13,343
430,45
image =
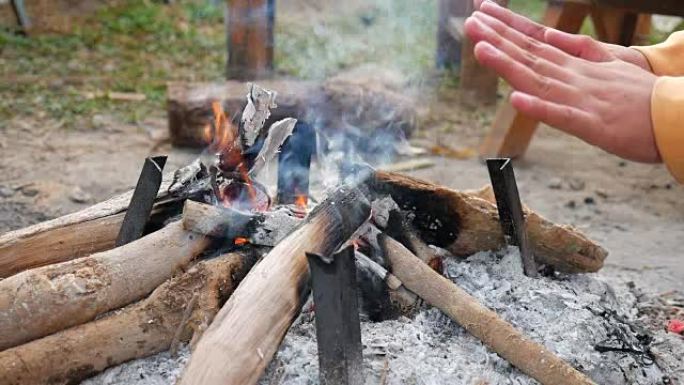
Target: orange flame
x,y
301,201
241,241
222,138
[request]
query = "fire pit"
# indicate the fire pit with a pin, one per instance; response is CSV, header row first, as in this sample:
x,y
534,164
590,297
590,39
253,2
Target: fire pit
x,y
81,306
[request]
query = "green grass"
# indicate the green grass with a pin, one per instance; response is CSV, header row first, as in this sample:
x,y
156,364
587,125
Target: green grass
x,y
135,46
139,45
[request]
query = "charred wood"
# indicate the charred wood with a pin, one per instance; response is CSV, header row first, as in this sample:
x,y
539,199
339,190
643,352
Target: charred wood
x,y
465,223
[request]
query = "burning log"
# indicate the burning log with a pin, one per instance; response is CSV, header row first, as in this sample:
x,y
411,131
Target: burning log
x,y
265,229
63,239
245,334
465,223
140,330
45,300
500,336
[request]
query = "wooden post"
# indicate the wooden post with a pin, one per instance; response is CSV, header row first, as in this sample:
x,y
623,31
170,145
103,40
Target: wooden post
x,y
451,14
478,84
250,38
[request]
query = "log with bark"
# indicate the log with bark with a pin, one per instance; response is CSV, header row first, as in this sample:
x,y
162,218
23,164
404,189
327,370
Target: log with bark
x,y
45,300
140,330
246,333
465,223
336,103
63,239
500,336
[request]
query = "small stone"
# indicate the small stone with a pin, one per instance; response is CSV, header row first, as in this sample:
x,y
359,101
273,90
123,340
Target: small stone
x,y
29,190
571,205
622,164
6,192
602,193
589,200
555,183
79,196
576,184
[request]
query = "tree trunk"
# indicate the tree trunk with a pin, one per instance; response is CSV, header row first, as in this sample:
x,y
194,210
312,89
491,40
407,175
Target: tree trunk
x,y
45,300
246,333
140,330
63,239
465,223
500,336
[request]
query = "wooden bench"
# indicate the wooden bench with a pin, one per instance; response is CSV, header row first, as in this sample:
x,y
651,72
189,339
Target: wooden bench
x,y
624,22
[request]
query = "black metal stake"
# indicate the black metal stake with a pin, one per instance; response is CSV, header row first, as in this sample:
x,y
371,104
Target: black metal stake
x,y
140,207
338,329
510,210
294,164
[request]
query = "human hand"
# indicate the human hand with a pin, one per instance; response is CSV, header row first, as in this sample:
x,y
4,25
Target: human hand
x,y
581,46
605,103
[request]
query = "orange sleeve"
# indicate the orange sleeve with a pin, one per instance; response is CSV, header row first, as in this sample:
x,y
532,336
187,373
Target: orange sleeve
x,y
666,58
667,113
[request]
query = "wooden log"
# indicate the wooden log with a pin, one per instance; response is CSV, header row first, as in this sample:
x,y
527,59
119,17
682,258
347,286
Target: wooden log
x,y
360,102
63,239
142,329
45,300
465,223
500,336
245,334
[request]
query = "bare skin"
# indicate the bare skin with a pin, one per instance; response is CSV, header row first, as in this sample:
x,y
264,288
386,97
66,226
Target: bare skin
x,y
598,92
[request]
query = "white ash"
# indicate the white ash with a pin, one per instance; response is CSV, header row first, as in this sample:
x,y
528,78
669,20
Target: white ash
x,y
432,349
159,369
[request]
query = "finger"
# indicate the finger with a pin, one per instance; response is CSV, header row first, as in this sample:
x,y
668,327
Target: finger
x,y
514,20
477,31
574,121
578,45
529,44
477,4
524,79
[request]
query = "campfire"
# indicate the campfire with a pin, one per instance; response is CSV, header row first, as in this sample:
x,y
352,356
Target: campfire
x,y
216,259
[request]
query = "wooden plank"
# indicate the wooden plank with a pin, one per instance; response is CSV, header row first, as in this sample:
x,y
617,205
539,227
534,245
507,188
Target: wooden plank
x,y
510,135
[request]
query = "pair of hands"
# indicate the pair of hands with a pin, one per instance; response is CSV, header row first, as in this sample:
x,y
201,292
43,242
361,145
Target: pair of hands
x,y
598,92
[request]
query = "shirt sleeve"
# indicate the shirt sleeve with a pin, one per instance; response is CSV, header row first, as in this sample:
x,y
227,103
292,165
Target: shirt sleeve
x,y
666,58
667,113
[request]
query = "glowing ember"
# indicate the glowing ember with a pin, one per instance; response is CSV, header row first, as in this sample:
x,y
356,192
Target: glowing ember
x,y
241,241
301,202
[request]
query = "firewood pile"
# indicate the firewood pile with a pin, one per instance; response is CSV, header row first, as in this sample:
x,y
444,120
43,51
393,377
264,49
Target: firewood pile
x,y
226,266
